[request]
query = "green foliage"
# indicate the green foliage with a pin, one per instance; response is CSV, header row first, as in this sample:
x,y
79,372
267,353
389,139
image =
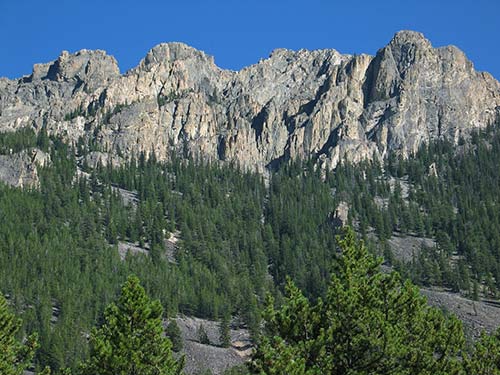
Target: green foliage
x,y
55,234
171,96
368,323
173,332
23,139
485,357
225,331
297,218
217,212
131,339
162,100
459,208
15,356
66,233
237,370
231,232
12,142
74,114
43,140
202,335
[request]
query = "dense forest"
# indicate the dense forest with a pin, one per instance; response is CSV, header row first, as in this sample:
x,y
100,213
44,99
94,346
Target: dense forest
x,y
452,195
369,321
237,236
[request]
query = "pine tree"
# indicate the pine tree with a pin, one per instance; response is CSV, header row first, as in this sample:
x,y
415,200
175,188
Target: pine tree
x,y
237,370
369,323
173,332
15,356
202,335
224,331
475,291
43,140
131,341
485,357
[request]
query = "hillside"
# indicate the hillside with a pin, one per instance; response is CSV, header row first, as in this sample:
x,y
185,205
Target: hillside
x,y
214,186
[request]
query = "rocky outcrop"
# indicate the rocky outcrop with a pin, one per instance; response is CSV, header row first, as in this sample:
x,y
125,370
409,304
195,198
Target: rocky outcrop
x,y
295,104
20,169
212,358
477,316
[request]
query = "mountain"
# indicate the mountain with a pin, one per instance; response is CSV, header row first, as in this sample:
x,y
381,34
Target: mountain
x,y
210,240
294,105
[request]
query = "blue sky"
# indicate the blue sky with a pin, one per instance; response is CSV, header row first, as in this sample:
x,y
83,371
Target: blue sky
x,y
238,33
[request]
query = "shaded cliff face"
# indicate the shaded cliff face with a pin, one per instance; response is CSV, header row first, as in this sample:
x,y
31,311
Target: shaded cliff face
x,y
306,104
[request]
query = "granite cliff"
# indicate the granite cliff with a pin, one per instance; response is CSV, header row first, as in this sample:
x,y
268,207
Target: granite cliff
x,y
295,104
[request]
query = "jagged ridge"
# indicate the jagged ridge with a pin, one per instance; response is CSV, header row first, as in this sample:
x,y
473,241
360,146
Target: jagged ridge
x,y
304,104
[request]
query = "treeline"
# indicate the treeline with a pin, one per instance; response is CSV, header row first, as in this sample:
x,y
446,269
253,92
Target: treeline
x,y
450,193
60,265
461,202
237,238
216,212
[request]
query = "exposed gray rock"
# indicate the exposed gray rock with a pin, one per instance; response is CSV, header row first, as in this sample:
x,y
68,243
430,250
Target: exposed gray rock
x,y
340,217
477,316
295,104
20,169
200,357
130,197
94,158
407,248
125,248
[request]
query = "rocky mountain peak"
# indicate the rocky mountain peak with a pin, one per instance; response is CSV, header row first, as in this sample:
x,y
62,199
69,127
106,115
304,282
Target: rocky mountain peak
x,y
84,65
295,104
168,53
409,37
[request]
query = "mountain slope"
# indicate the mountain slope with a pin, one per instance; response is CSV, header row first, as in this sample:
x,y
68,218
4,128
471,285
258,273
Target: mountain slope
x,y
305,104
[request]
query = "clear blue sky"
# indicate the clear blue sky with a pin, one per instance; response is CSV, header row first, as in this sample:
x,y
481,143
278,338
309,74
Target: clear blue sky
x,y
238,33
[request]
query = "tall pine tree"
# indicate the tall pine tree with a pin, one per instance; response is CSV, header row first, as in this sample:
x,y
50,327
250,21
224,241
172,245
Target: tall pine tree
x,y
131,340
15,356
370,322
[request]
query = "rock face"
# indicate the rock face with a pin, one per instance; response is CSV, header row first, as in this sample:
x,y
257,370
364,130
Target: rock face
x,y
213,359
477,316
305,104
20,169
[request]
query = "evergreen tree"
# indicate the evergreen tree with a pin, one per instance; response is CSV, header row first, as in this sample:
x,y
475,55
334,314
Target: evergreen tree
x,y
369,323
475,291
224,331
233,231
202,335
131,341
485,357
237,370
43,140
173,332
15,356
